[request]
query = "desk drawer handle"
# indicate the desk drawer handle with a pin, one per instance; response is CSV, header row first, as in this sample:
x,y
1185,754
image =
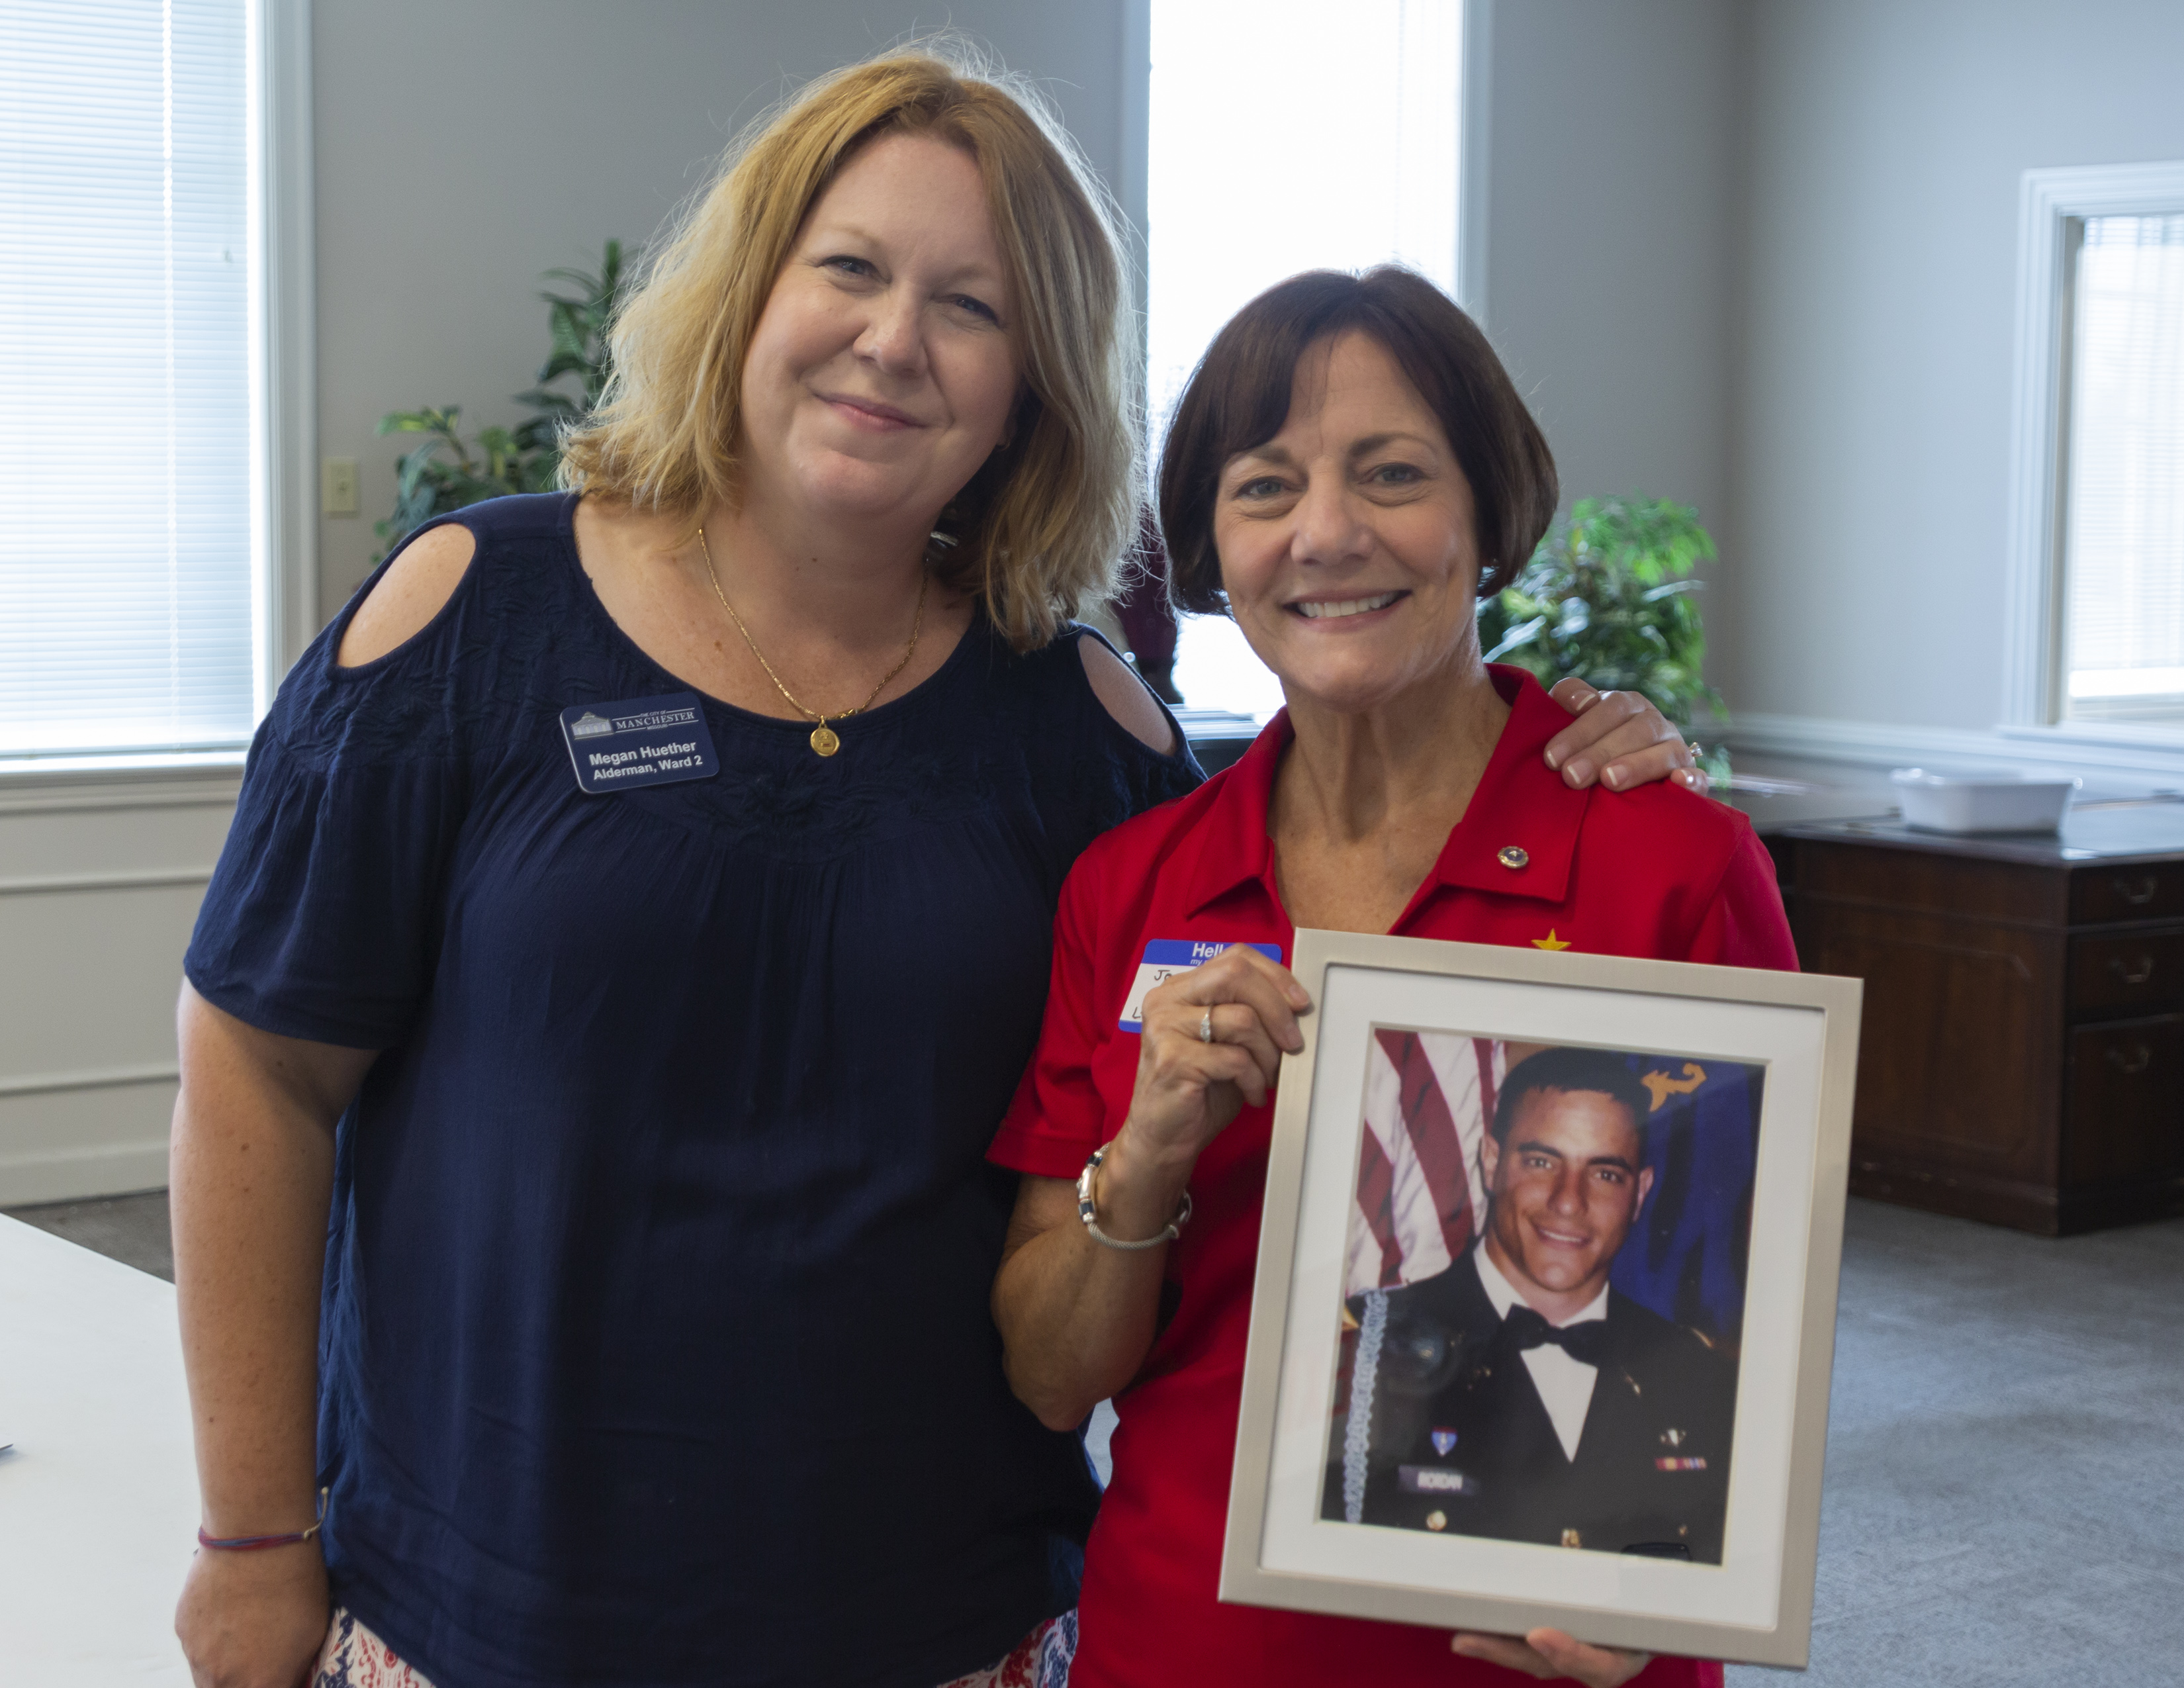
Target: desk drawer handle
x,y
2131,1065
2136,973
2138,891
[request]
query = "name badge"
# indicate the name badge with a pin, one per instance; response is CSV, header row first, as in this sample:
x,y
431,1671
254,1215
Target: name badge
x,y
1166,957
640,741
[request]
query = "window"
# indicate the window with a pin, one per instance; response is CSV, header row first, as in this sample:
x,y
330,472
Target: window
x,y
2097,530
132,585
2123,538
1287,136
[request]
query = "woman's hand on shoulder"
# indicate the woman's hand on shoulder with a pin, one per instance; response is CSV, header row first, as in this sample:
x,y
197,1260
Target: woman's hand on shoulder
x,y
1553,1656
1126,697
1618,738
407,597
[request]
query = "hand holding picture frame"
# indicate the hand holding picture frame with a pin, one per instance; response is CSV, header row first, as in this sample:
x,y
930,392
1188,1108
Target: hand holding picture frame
x,y
1544,1311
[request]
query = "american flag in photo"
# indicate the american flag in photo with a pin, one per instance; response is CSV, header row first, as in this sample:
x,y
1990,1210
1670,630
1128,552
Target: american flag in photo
x,y
1428,1097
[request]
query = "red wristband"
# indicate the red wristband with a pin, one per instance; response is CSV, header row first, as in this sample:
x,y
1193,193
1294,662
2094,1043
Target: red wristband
x,y
250,1544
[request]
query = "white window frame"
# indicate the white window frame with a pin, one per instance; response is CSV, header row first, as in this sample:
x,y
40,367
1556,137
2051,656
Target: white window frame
x,y
1475,123
2049,200
284,374
286,341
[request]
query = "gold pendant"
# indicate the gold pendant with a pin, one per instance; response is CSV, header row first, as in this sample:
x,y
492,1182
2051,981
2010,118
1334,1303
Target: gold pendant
x,y
825,740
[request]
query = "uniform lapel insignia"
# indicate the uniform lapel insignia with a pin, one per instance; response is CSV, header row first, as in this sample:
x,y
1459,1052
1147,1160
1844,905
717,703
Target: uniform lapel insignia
x,y
1443,1440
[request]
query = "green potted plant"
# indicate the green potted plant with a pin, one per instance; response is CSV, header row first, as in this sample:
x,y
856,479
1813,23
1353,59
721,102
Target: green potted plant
x,y
1609,595
443,473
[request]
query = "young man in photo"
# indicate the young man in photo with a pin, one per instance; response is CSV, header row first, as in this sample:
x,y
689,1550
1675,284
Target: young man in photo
x,y
1516,1395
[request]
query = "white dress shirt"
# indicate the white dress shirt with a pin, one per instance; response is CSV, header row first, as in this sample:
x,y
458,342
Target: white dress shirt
x,y
1564,1384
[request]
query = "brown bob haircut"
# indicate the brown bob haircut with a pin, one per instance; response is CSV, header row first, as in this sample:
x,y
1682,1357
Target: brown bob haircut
x,y
1239,397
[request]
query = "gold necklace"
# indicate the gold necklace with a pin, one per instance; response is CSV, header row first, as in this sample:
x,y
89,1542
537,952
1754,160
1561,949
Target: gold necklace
x,y
824,740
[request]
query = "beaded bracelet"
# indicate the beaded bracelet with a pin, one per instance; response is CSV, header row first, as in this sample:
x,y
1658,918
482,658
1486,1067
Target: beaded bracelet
x,y
1092,1225
251,1544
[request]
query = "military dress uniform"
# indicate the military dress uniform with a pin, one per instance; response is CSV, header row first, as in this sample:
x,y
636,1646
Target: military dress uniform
x,y
1458,1439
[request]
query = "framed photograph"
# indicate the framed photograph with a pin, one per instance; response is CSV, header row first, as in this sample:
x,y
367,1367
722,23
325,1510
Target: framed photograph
x,y
1546,1300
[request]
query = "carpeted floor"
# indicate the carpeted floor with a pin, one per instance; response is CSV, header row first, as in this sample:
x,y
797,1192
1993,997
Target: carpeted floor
x,y
2004,1501
129,1228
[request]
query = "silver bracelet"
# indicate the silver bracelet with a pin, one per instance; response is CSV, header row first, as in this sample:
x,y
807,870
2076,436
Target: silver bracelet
x,y
1092,1224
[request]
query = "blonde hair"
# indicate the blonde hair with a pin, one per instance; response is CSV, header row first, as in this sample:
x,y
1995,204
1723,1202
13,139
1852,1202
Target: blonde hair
x,y
1040,528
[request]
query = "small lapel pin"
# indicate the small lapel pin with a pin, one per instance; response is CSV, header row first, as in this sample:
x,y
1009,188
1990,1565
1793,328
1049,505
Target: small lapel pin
x,y
1512,856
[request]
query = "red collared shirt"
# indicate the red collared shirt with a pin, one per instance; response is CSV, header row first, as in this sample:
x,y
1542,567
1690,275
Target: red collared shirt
x,y
1657,871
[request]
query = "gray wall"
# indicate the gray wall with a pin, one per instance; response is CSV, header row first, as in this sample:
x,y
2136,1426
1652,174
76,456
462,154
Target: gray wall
x,y
463,150
1611,245
1870,461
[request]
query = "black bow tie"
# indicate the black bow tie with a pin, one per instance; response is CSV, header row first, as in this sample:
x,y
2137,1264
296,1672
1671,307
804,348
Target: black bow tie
x,y
1584,1343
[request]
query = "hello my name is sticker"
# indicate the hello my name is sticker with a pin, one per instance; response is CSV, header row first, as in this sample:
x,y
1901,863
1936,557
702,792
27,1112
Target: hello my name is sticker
x,y
1166,957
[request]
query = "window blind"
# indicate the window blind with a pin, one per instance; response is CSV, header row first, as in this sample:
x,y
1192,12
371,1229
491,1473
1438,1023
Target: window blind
x,y
2123,522
127,566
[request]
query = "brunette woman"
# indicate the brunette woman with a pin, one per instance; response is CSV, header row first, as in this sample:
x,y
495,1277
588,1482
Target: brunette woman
x,y
1348,471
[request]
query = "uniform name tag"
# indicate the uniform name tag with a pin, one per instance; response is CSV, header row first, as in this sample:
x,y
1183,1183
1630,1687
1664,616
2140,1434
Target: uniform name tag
x,y
1434,1479
640,741
1166,957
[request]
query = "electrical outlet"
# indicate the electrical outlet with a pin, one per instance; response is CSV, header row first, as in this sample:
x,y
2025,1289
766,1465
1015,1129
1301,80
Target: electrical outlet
x,y
337,486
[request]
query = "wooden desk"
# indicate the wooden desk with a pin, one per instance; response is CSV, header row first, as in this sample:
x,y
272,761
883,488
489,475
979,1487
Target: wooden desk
x,y
2021,1060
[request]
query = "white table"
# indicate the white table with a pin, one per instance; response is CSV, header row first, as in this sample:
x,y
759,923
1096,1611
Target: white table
x,y
98,1502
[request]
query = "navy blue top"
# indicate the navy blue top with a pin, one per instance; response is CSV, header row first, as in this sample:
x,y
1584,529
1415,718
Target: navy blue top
x,y
654,1346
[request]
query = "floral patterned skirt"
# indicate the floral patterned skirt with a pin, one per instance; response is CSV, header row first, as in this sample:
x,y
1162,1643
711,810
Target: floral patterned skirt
x,y
353,1656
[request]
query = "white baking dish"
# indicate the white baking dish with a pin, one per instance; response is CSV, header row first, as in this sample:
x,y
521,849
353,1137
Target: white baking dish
x,y
1982,803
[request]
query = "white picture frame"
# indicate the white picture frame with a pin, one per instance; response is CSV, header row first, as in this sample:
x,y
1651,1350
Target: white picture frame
x,y
1284,1548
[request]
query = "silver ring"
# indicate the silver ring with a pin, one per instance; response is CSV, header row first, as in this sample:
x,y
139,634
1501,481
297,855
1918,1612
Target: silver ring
x,y
1206,1027
1698,750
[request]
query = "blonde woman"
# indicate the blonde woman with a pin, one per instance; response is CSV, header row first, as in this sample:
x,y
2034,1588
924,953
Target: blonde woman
x,y
635,921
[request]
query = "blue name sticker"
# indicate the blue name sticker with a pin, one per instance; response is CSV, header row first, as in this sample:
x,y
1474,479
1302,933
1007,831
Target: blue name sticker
x,y
640,741
1166,957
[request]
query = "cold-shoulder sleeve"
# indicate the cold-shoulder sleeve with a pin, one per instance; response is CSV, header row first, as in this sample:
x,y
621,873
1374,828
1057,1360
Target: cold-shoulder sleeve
x,y
321,921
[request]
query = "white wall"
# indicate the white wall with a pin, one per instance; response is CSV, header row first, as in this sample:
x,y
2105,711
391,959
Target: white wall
x,y
463,150
1754,255
100,885
1869,460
